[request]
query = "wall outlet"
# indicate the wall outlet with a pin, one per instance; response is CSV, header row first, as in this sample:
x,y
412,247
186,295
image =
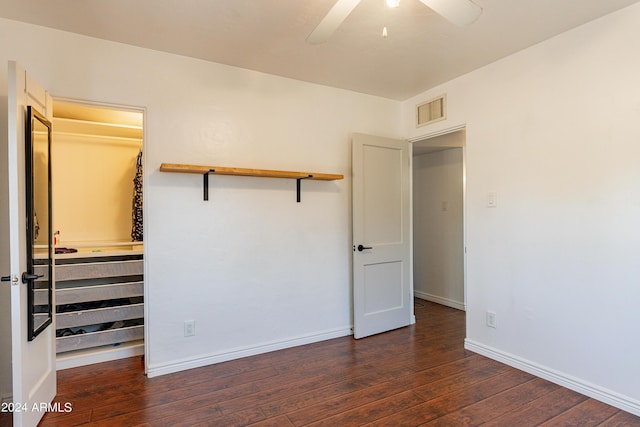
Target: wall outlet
x,y
491,319
189,328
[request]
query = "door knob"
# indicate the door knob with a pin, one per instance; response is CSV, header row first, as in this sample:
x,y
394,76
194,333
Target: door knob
x,y
26,277
362,248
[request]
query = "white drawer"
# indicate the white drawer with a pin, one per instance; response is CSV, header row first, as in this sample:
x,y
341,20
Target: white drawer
x,y
91,270
97,339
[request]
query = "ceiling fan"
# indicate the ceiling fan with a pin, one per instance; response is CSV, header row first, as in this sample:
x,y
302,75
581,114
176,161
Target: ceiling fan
x,y
459,12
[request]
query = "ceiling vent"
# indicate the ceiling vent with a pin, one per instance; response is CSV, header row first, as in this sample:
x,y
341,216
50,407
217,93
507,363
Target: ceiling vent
x,y
431,111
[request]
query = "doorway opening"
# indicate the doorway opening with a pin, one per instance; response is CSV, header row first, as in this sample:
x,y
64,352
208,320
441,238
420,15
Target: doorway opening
x,y
98,232
439,261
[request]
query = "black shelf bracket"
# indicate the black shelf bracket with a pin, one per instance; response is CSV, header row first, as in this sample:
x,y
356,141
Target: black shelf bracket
x,y
205,178
205,184
298,186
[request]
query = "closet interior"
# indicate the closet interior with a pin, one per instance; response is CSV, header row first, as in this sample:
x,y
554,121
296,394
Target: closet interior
x,y
96,157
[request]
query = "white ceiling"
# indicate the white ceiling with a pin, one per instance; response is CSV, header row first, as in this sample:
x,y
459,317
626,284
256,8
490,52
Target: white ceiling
x,y
422,50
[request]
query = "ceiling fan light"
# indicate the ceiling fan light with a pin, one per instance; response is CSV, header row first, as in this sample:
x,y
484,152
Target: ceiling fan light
x,y
393,3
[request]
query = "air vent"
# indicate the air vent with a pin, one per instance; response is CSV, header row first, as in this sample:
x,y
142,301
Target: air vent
x,y
431,111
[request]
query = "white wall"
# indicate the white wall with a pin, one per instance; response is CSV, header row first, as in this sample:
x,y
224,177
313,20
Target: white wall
x,y
438,241
92,180
252,267
554,131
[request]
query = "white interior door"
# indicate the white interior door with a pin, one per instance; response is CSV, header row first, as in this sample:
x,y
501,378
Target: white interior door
x,y
382,288
33,362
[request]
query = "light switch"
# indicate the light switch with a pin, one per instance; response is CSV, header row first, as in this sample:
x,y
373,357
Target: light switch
x,y
492,199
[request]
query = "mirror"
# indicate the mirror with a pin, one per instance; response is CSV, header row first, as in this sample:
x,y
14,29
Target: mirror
x,y
38,276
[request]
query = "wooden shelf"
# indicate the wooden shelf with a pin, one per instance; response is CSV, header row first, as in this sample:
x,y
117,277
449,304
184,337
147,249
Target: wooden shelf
x,y
261,173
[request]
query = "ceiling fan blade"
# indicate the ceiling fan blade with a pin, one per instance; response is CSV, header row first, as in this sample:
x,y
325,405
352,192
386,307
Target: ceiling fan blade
x,y
332,21
459,12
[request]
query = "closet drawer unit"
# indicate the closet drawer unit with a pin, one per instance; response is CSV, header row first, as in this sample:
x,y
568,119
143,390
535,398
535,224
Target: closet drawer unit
x,y
90,270
101,338
99,315
99,301
80,294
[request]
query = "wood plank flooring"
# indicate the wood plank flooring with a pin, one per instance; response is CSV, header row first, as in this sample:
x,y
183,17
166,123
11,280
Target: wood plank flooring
x,y
420,375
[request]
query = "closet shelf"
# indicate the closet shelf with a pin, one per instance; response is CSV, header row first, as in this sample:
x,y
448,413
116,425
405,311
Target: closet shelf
x,y
205,171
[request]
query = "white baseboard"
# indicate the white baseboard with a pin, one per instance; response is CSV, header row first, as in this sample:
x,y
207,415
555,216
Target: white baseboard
x,y
181,365
440,300
576,384
98,355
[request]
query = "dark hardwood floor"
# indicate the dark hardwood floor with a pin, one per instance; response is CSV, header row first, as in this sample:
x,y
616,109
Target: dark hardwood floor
x,y
420,375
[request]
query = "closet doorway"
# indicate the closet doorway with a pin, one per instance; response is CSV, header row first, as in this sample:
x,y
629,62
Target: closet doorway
x,y
97,210
439,262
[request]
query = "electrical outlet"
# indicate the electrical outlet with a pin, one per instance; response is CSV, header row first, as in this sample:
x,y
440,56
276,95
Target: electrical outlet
x,y
189,328
491,319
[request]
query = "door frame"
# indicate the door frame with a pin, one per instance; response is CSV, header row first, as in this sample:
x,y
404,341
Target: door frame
x,y
143,111
431,136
